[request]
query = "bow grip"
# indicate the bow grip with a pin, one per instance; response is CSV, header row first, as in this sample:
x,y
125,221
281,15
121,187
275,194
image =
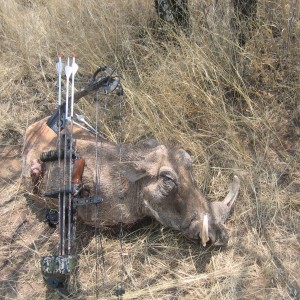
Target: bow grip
x,y
78,169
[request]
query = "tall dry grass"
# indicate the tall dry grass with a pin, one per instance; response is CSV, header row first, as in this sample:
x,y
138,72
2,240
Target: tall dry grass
x,y
236,109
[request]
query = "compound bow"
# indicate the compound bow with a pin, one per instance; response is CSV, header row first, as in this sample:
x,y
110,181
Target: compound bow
x,y
57,268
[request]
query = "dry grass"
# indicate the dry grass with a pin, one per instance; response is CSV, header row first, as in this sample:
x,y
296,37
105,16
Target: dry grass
x,y
237,110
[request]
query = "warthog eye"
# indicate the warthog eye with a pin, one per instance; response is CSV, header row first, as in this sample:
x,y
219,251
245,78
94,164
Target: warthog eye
x,y
168,183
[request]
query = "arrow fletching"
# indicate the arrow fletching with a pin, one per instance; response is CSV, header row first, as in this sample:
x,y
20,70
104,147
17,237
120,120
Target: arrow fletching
x,y
68,69
74,71
68,72
59,66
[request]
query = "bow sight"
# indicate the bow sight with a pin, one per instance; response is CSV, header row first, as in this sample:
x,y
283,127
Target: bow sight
x,y
57,268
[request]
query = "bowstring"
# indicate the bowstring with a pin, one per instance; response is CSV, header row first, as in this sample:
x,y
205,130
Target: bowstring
x,y
121,233
60,200
98,233
70,186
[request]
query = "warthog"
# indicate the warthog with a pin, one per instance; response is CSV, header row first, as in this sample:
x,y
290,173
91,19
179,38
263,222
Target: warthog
x,y
147,180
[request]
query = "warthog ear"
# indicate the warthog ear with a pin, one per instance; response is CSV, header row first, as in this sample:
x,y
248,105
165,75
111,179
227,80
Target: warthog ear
x,y
185,157
132,171
150,143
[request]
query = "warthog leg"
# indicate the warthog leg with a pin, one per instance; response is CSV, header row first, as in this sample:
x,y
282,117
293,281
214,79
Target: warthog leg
x,y
36,174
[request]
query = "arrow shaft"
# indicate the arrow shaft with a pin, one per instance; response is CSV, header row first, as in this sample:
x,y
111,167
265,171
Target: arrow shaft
x,y
59,71
72,97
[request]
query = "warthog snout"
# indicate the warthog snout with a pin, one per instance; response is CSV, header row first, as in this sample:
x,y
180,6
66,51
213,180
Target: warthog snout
x,y
209,227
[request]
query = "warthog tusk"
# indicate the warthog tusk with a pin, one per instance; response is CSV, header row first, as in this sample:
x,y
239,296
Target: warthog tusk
x,y
233,192
204,231
221,210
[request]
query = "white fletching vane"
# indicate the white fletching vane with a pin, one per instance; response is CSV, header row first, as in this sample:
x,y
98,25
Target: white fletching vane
x,y
59,68
74,71
68,72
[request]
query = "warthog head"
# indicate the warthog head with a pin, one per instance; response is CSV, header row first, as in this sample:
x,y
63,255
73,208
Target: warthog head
x,y
170,195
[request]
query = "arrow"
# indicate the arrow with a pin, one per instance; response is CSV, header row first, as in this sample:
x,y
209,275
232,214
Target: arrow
x,y
74,69
59,69
68,72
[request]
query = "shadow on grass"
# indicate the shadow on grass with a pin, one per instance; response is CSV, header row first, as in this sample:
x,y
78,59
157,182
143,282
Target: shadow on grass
x,y
160,244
